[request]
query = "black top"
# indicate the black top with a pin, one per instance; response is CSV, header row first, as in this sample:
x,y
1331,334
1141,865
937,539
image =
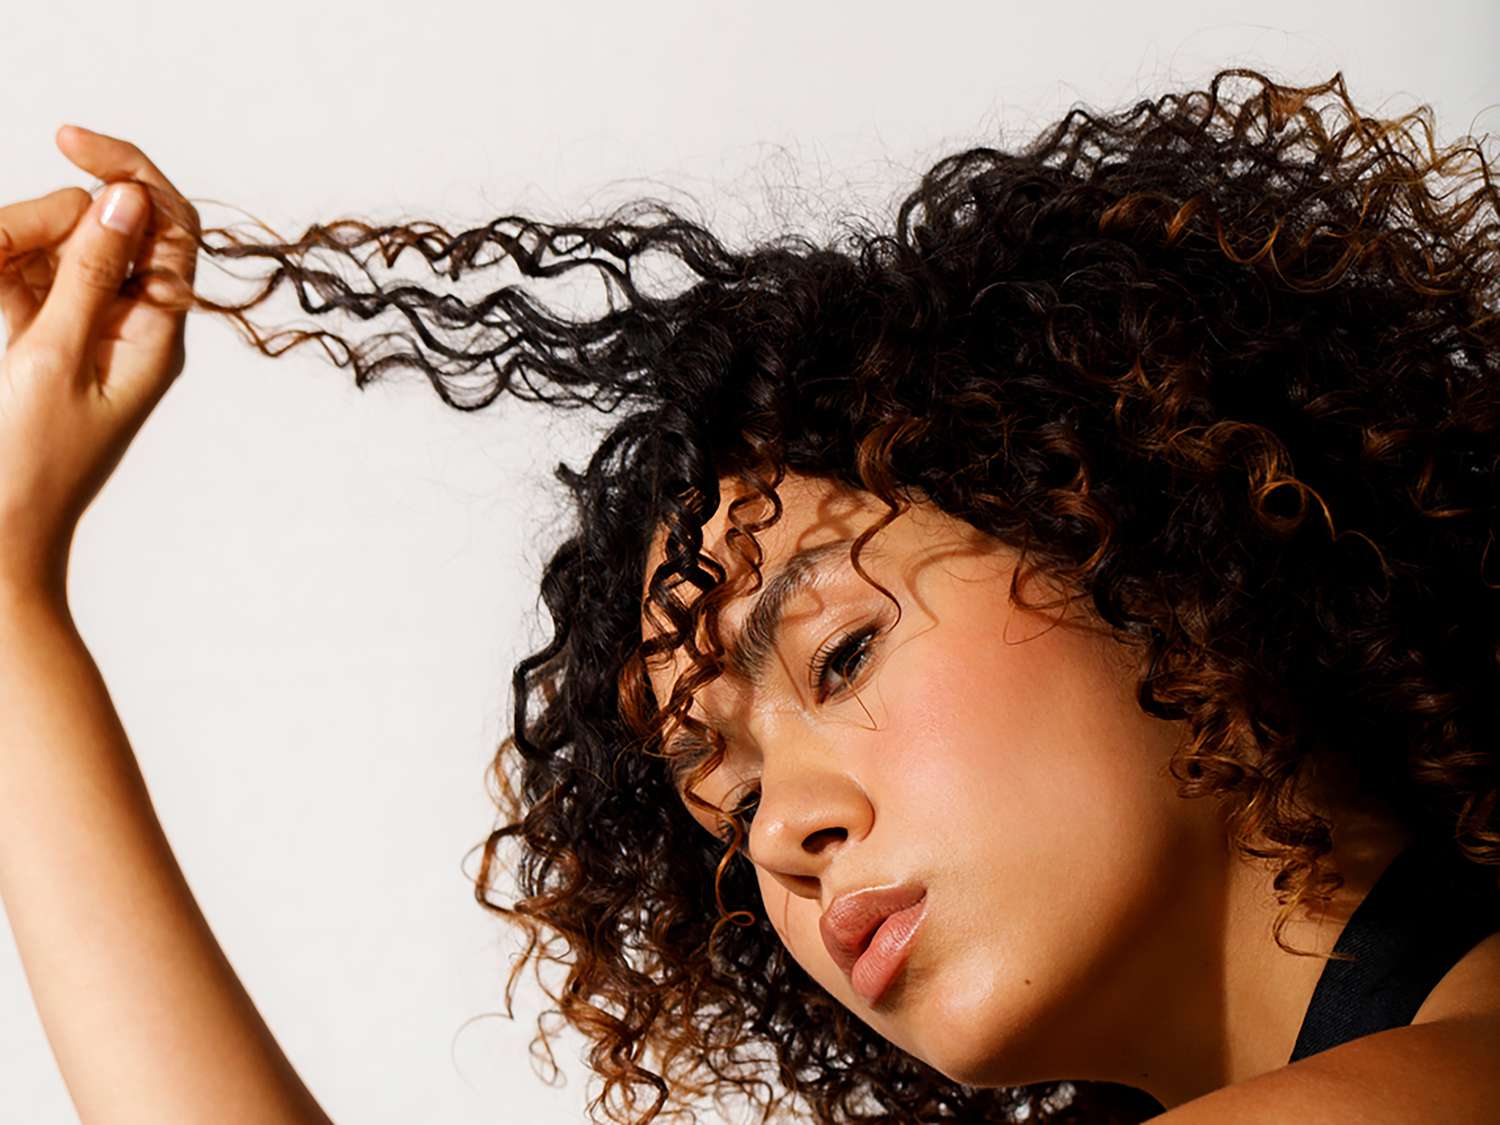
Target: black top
x,y
1426,911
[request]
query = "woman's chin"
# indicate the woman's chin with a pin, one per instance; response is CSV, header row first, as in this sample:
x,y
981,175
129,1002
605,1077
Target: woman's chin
x,y
978,1031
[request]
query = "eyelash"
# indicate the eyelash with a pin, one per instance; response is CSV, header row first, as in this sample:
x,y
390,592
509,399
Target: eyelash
x,y
854,642
743,811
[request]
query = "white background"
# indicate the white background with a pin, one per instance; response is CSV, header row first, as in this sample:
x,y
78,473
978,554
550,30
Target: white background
x,y
306,599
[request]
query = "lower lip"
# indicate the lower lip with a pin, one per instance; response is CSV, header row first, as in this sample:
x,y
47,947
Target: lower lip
x,y
887,952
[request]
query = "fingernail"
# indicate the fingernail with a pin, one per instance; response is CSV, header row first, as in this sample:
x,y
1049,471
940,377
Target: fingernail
x,y
123,209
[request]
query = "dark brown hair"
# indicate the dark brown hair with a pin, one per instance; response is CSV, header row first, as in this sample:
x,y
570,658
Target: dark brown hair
x,y
1226,366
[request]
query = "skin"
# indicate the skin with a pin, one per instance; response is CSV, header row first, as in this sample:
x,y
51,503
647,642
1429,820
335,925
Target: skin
x,y
1084,921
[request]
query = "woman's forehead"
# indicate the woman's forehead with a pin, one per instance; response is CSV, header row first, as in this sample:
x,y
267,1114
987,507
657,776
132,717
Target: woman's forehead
x,y
813,511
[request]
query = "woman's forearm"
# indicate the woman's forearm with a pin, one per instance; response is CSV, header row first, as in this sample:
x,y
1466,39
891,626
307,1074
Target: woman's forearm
x,y
144,1013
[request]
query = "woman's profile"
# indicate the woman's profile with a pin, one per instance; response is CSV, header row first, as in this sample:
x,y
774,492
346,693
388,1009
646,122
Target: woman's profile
x,y
1034,660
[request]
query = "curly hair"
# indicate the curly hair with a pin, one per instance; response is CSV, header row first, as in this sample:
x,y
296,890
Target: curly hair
x,y
1222,366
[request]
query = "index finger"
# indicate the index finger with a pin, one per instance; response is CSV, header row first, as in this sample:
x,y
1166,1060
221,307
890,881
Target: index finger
x,y
26,228
175,243
39,223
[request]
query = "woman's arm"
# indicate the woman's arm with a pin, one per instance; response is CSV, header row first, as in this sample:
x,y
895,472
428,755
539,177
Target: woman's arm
x,y
143,1011
145,1015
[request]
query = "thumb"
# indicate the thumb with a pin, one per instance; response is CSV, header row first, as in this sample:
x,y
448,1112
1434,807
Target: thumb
x,y
94,264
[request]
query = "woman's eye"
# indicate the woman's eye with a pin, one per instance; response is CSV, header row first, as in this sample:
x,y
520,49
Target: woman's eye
x,y
837,664
743,811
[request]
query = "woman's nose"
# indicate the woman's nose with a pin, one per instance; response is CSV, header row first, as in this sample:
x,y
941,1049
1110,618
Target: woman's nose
x,y
803,820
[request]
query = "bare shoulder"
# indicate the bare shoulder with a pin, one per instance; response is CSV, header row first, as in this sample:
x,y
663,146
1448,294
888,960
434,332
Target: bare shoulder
x,y
1441,1070
1444,1067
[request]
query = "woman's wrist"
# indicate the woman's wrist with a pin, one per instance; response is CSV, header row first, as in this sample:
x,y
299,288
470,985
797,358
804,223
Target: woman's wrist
x,y
28,593
32,577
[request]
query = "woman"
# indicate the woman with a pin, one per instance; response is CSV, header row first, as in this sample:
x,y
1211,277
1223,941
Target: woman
x,y
924,590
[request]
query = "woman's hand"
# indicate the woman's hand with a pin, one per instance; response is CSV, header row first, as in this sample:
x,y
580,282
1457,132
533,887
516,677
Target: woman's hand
x,y
84,363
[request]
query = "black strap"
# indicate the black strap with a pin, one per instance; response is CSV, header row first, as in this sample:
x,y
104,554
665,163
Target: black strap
x,y
1428,908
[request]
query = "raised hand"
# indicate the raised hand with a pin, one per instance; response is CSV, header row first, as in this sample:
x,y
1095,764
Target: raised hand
x,y
93,293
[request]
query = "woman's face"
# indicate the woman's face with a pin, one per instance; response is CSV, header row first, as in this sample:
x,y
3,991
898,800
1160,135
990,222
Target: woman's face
x,y
994,757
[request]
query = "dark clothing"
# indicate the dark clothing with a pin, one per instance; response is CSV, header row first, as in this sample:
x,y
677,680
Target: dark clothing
x,y
1428,909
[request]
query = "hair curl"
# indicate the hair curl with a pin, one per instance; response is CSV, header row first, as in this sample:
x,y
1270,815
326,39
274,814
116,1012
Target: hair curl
x,y
1224,367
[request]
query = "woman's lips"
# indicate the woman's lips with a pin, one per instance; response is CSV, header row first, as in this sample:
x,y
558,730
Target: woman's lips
x,y
887,952
868,933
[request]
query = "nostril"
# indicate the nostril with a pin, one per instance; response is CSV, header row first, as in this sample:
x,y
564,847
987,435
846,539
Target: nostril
x,y
817,841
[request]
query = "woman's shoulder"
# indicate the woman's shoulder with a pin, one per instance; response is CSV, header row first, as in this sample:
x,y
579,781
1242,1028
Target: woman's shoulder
x,y
1444,1066
1445,1070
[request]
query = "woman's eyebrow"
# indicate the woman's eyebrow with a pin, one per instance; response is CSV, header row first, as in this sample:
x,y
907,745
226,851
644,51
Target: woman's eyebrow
x,y
755,639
